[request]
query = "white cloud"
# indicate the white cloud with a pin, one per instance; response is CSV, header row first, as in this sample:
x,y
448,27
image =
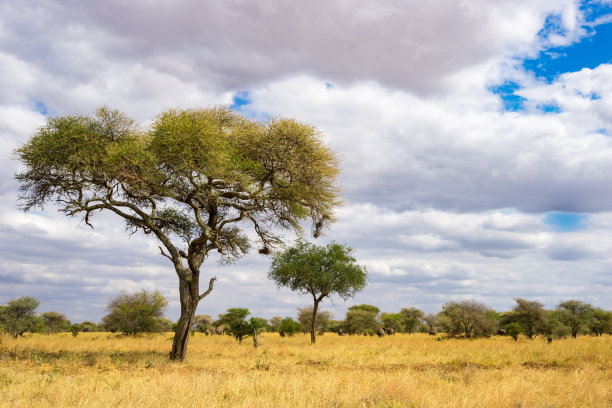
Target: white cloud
x,y
445,191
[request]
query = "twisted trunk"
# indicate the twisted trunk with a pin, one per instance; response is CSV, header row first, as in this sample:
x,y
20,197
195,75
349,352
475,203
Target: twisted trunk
x,y
189,304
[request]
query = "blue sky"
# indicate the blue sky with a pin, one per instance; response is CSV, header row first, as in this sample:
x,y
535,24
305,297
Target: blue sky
x,y
474,138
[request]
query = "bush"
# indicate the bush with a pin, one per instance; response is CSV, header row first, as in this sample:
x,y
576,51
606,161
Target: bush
x,y
289,327
141,312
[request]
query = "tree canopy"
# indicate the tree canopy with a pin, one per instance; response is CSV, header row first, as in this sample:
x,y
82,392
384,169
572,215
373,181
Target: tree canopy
x,y
139,312
19,316
195,179
320,271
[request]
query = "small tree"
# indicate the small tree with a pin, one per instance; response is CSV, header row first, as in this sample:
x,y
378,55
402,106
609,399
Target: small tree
x,y
275,323
318,271
55,322
531,315
322,322
412,319
600,321
140,312
87,326
235,321
395,321
574,314
361,319
201,323
19,316
514,329
289,327
468,318
431,320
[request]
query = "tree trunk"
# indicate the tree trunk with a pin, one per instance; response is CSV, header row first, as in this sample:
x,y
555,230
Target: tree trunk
x,y
313,323
189,303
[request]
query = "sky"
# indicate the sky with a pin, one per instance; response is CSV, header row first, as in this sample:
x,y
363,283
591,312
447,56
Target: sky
x,y
475,140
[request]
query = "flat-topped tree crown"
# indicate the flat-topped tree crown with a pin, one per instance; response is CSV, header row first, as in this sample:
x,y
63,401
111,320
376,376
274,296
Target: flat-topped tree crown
x,y
196,179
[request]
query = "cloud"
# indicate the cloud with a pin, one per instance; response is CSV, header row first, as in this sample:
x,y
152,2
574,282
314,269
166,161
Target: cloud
x,y
406,151
238,44
446,191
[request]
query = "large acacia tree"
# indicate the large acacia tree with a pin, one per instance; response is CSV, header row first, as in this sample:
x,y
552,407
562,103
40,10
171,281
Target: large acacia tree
x,y
320,271
196,179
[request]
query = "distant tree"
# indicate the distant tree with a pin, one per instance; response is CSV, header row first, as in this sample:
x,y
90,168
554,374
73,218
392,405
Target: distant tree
x,y
55,322
514,329
237,325
86,326
319,271
289,327
395,321
531,315
275,323
468,318
19,316
201,323
431,320
322,321
412,319
195,179
600,321
361,319
164,325
140,312
574,314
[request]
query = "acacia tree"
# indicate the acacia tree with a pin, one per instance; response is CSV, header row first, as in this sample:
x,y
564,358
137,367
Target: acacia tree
x,y
574,314
19,316
305,318
468,318
320,271
531,315
195,180
139,312
55,322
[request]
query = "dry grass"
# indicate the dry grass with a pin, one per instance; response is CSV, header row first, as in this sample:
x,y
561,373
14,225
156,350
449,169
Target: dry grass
x,y
105,370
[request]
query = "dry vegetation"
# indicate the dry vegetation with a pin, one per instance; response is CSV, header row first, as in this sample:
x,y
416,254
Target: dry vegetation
x,y
106,370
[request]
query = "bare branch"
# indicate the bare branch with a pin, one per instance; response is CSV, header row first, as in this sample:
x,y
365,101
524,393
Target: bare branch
x,y
164,254
210,288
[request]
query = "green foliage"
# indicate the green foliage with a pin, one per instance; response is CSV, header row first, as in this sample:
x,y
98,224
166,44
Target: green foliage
x,y
395,321
141,312
196,179
366,308
275,323
237,325
289,327
532,317
361,319
87,326
201,323
55,322
514,329
412,319
600,321
19,316
468,318
320,271
575,314
322,320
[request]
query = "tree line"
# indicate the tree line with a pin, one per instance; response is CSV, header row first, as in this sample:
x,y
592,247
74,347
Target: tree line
x,y
142,312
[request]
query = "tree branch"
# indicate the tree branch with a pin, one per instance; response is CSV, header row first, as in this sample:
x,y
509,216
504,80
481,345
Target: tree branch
x,y
164,254
210,288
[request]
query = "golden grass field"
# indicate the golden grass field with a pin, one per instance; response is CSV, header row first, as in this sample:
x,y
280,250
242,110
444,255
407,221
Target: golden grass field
x,y
108,370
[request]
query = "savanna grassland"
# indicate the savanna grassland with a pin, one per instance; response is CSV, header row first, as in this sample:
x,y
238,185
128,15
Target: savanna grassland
x,y
108,370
